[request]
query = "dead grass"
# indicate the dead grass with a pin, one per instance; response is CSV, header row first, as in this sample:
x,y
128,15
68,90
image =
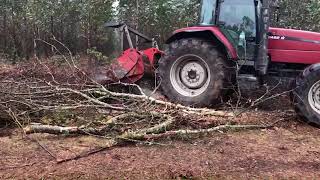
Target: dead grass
x,y
288,151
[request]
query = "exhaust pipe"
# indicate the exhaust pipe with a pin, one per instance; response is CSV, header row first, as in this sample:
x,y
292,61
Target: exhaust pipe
x,y
262,59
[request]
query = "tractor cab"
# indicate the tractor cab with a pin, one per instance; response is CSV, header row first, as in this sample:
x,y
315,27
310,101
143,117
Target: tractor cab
x,y
200,64
244,23
237,19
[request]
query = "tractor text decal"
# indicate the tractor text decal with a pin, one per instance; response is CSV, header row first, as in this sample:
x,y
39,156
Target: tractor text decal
x,y
277,37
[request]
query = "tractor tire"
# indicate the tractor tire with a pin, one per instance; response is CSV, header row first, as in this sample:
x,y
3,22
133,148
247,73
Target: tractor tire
x,y
306,97
194,72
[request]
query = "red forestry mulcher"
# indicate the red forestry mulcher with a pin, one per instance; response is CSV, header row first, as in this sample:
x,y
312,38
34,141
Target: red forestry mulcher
x,y
232,44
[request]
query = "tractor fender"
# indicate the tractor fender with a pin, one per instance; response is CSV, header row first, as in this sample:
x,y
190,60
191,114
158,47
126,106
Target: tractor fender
x,y
210,33
310,69
306,72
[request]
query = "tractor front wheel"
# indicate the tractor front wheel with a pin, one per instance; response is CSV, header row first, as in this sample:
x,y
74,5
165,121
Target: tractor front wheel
x,y
307,97
193,72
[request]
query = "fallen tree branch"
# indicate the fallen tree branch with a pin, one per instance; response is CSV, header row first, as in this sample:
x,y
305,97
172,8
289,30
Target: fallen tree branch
x,y
43,147
56,130
94,100
185,109
139,135
122,139
156,132
204,131
40,128
111,144
211,130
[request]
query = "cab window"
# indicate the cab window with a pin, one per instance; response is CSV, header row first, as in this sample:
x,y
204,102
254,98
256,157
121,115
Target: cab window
x,y
238,16
207,14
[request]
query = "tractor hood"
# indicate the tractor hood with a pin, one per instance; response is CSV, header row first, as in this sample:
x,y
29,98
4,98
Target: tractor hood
x,y
295,39
294,46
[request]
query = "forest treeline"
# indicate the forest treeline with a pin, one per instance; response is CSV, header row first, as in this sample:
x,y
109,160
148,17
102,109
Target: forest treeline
x,y
30,27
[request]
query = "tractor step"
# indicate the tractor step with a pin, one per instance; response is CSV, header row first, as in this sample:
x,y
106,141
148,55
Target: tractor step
x,y
247,81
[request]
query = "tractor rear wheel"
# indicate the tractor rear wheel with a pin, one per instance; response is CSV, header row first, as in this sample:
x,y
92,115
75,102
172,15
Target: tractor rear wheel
x,y
307,97
194,72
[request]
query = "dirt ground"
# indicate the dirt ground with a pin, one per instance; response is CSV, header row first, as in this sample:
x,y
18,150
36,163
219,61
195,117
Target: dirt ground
x,y
290,150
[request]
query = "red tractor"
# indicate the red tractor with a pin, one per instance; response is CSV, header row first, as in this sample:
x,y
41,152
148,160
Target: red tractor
x,y
234,43
233,46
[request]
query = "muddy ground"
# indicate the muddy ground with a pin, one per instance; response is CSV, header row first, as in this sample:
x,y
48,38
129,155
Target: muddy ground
x,y
290,150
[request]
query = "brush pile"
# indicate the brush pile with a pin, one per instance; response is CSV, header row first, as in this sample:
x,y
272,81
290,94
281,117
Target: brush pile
x,y
48,97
